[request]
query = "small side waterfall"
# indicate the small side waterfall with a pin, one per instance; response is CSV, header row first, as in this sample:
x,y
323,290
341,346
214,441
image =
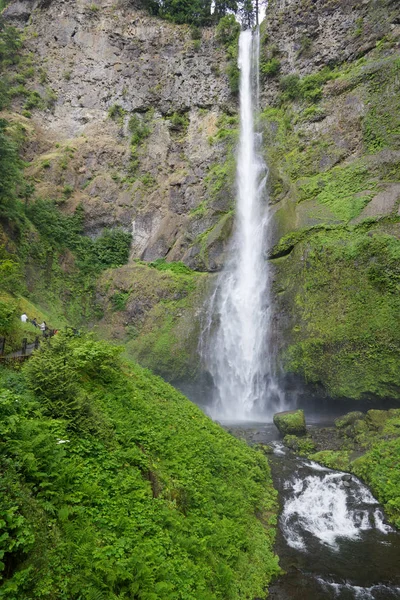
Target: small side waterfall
x,y
238,354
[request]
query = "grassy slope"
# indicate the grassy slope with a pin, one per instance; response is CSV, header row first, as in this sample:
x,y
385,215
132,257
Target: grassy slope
x,y
147,499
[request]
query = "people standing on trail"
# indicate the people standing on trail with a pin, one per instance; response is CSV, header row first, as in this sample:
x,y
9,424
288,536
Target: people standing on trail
x,y
24,317
43,327
34,322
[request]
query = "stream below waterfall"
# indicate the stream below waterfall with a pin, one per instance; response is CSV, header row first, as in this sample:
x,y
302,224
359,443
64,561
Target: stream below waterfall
x,y
333,539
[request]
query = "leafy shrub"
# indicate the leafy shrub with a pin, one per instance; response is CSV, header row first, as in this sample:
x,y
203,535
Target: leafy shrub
x,y
233,77
308,88
68,190
195,33
34,100
228,30
112,248
119,300
271,67
8,314
179,121
139,129
290,84
116,112
54,372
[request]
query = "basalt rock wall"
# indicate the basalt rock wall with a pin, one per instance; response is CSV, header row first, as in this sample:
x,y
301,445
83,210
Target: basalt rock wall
x,y
110,71
332,138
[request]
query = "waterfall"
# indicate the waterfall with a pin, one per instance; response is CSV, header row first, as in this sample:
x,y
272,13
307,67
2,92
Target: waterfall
x,y
239,352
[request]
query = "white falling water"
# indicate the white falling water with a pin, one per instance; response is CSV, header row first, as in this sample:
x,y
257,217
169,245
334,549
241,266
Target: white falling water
x,y
239,355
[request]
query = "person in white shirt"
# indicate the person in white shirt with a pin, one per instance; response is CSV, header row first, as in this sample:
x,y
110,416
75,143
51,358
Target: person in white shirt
x,y
24,317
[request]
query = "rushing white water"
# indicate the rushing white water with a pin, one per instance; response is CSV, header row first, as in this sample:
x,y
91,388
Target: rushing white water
x,y
329,507
346,590
239,354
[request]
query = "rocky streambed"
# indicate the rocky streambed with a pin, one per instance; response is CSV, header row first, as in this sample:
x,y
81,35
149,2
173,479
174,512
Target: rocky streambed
x,y
334,538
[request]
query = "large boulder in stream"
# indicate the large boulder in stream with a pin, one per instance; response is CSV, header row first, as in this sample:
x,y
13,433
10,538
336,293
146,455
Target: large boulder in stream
x,y
291,422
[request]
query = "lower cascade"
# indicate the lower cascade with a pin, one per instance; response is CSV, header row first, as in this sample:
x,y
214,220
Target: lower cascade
x,y
329,508
334,541
239,355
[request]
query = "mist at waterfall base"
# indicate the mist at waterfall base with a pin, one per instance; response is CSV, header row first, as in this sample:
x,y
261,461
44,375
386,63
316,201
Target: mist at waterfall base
x,y
237,349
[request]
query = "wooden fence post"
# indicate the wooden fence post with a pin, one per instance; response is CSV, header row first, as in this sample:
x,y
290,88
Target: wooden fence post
x,y
24,344
2,345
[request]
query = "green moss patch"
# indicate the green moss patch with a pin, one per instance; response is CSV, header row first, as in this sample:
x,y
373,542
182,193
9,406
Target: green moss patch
x,y
333,460
302,445
152,309
346,305
345,190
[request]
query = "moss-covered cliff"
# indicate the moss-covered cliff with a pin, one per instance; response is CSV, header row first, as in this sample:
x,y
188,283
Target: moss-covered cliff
x,y
332,138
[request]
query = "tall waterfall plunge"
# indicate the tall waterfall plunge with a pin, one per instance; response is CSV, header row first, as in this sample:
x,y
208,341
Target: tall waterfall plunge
x,y
239,355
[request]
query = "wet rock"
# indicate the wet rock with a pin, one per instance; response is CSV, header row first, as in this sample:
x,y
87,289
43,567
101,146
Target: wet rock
x,y
301,445
291,422
264,448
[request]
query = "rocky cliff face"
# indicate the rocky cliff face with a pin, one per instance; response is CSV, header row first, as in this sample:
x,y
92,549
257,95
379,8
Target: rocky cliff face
x,y
136,123
332,133
112,71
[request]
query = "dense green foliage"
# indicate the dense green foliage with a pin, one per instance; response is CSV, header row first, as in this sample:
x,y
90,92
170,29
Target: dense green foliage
x,y
115,486
66,231
379,467
198,12
347,333
59,262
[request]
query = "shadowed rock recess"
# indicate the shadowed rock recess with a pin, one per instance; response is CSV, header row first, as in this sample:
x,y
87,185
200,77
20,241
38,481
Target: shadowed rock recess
x,y
138,126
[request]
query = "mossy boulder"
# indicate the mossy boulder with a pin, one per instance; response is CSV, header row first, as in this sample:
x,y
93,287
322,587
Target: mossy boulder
x,y
300,445
376,419
349,424
349,419
291,422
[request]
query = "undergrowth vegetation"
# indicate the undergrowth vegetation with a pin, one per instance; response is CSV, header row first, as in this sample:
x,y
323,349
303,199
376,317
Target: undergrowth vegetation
x,y
115,486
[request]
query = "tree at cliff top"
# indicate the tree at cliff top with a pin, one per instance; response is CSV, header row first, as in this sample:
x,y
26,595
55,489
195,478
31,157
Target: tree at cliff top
x,y
116,486
201,12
